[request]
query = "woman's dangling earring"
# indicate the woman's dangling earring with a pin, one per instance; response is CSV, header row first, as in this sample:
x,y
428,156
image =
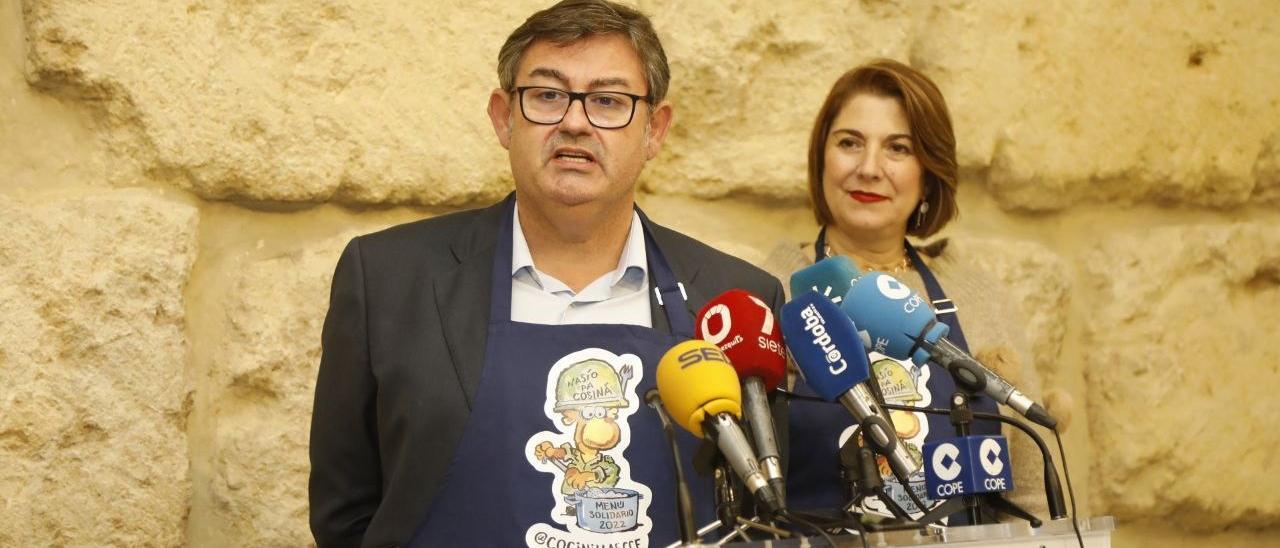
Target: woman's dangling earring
x,y
920,212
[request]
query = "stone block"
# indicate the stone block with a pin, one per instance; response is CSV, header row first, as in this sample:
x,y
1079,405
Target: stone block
x,y
1069,102
264,382
748,79
289,101
93,437
1267,172
1182,370
1038,284
384,102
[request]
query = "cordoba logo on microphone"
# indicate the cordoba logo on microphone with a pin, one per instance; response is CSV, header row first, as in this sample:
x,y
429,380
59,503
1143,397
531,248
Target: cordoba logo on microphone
x,y
590,394
816,325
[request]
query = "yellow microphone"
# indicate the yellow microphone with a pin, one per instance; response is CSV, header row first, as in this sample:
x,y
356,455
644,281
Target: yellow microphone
x,y
696,381
700,388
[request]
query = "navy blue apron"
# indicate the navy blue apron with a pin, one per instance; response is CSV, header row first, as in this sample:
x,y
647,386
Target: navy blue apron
x,y
560,446
816,429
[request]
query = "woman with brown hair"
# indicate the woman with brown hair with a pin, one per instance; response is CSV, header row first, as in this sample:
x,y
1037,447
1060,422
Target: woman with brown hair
x,y
882,167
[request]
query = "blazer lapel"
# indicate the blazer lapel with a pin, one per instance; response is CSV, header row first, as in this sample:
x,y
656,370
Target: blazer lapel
x,y
463,297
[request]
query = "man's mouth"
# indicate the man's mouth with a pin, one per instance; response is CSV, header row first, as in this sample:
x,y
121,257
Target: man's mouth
x,y
573,155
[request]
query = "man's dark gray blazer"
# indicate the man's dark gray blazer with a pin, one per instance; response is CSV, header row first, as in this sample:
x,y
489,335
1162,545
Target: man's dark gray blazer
x,y
403,346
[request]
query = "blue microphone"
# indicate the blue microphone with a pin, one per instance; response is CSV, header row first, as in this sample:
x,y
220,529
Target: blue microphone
x,y
901,324
825,345
969,465
831,277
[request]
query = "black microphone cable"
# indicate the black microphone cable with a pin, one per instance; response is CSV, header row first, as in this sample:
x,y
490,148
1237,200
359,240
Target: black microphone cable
x,y
1053,488
684,502
1062,453
1054,494
792,517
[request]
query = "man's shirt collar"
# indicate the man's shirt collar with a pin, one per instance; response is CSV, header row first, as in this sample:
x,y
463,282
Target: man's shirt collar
x,y
628,276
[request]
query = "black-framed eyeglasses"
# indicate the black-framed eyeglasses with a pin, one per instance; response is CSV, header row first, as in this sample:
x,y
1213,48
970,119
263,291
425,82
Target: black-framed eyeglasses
x,y
605,109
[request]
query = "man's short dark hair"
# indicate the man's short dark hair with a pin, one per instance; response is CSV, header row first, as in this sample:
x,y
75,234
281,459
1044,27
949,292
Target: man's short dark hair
x,y
572,20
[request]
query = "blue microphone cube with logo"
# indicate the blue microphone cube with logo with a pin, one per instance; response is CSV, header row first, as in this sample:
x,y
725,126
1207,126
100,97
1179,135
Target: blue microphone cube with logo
x,y
971,465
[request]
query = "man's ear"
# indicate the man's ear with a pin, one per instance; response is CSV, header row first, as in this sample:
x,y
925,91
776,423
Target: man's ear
x,y
660,119
500,116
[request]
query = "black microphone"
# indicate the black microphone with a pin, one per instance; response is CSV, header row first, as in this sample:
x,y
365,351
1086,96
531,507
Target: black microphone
x,y
1052,484
684,502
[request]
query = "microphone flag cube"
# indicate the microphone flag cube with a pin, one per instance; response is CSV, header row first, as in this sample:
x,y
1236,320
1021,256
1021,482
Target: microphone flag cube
x,y
970,465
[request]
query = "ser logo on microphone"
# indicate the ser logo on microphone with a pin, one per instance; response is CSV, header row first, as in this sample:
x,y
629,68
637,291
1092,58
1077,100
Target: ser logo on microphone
x,y
816,325
694,356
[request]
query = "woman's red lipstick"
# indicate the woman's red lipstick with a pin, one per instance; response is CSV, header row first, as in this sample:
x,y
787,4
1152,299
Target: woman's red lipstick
x,y
866,197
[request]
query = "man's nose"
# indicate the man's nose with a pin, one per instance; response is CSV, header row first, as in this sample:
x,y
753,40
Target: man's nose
x,y
575,119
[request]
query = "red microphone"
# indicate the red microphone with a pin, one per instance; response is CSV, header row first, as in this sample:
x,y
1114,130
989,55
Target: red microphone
x,y
743,327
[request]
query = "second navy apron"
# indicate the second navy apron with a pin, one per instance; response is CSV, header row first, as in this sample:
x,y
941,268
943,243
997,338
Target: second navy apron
x,y
817,430
560,447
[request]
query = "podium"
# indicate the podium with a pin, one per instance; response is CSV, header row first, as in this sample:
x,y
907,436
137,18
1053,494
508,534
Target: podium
x,y
1096,533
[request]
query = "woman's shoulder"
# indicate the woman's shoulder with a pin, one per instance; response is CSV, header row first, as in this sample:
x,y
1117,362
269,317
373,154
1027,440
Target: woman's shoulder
x,y
962,272
958,268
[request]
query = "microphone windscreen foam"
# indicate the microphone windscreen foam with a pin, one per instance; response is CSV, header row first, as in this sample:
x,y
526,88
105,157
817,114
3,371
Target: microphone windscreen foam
x,y
744,328
830,277
825,344
892,314
696,381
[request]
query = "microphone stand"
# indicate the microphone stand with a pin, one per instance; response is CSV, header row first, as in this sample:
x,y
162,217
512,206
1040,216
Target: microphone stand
x,y
862,479
962,418
728,503
1052,483
729,499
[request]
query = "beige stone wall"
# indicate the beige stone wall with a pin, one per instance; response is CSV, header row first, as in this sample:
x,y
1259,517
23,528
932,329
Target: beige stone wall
x,y
178,177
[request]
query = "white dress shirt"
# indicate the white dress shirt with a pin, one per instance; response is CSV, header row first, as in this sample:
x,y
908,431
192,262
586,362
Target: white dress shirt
x,y
618,297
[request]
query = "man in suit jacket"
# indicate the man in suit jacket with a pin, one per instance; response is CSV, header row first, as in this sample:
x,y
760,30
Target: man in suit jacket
x,y
580,109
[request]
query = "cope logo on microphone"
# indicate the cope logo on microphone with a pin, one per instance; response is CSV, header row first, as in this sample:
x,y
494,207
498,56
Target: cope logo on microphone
x,y
945,462
892,288
967,466
989,456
